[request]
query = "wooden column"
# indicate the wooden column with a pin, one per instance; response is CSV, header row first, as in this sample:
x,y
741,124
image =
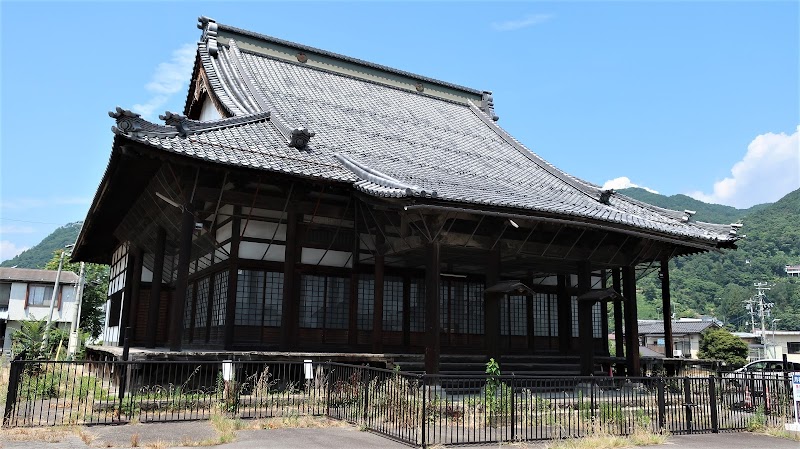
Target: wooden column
x,y
135,291
631,325
233,278
352,326
182,280
666,305
531,330
192,317
604,314
291,295
127,296
491,306
432,282
377,310
155,287
619,343
585,325
564,315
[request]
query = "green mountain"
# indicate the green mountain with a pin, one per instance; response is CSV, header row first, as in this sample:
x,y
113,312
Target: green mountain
x,y
710,213
39,255
719,283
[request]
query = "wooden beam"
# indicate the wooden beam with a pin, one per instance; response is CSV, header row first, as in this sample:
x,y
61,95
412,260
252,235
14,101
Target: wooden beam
x,y
631,323
666,305
182,280
432,282
291,295
233,278
155,287
564,315
265,201
619,343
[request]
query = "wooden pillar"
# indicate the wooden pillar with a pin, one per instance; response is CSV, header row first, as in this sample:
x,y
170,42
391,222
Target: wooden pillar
x,y
377,310
155,287
127,296
619,343
631,325
192,317
531,330
407,311
585,325
182,280
291,295
604,315
136,280
564,315
233,278
666,305
432,282
491,306
352,326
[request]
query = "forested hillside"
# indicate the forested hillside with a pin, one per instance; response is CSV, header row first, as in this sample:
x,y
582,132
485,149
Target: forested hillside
x,y
39,255
719,283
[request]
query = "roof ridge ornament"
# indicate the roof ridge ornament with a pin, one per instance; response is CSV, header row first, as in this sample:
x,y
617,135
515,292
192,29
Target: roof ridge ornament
x,y
177,120
487,105
687,215
605,196
299,138
126,120
209,37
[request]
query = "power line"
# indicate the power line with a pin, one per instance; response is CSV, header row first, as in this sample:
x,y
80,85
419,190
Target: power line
x,y
30,221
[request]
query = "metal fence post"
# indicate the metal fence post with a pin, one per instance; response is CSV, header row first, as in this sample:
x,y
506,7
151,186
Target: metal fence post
x,y
424,409
662,403
366,397
513,412
712,392
687,399
13,385
328,389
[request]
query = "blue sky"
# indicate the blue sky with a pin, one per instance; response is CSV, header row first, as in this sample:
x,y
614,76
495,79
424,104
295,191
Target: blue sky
x,y
679,97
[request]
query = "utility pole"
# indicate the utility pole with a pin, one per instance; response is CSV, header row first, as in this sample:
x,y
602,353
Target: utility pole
x,y
54,297
764,309
74,340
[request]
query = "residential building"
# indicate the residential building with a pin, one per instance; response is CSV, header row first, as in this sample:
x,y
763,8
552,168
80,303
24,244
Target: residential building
x,y
777,343
686,333
792,270
25,294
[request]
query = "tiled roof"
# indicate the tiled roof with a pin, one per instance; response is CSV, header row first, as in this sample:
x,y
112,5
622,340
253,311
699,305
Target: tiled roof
x,y
387,142
33,275
678,327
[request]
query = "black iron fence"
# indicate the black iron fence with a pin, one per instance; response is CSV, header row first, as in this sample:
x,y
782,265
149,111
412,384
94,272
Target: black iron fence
x,y
417,409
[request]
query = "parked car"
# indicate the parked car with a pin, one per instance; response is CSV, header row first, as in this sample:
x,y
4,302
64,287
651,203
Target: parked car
x,y
761,369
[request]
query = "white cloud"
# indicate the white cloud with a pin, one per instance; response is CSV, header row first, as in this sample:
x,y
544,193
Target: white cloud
x,y
623,182
525,22
769,170
168,79
32,203
8,250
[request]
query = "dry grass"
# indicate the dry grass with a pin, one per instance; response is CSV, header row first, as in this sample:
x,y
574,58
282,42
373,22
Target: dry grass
x,y
46,434
780,431
600,439
135,440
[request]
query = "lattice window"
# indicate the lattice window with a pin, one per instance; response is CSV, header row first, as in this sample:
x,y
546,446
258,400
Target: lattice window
x,y
393,303
417,304
201,310
312,301
324,302
187,308
337,303
250,298
220,298
476,314
273,301
597,320
518,315
366,301
545,315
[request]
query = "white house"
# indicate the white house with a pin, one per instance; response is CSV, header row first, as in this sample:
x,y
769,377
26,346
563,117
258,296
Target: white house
x,y
686,335
25,294
780,342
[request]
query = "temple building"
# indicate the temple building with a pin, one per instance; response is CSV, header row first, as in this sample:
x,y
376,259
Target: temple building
x,y
306,201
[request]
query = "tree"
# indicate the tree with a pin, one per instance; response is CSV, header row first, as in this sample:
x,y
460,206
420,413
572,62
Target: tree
x,y
720,344
94,292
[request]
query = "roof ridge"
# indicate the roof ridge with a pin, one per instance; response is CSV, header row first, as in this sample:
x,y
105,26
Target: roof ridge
x,y
131,123
206,24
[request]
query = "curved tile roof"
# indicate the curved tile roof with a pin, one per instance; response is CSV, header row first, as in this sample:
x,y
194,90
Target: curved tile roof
x,y
388,142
